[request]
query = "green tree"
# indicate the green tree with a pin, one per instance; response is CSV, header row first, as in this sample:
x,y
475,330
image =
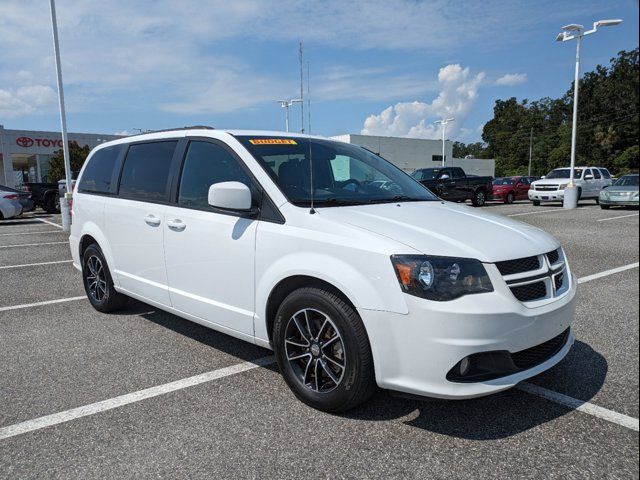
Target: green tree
x,y
77,156
607,124
628,161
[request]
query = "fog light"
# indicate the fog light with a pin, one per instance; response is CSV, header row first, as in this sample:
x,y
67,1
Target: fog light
x,y
464,366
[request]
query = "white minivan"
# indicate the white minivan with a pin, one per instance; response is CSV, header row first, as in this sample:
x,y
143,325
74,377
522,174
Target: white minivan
x,y
292,242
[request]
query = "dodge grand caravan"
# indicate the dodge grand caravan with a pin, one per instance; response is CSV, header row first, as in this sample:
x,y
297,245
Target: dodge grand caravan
x,y
298,244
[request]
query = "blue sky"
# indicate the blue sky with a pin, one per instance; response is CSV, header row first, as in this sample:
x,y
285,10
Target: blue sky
x,y
382,67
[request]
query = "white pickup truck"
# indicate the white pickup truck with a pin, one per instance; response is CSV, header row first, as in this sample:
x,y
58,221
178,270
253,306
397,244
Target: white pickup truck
x,y
589,180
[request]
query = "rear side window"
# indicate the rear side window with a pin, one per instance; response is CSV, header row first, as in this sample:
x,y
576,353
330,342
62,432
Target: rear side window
x,y
98,173
145,174
205,164
605,173
596,174
457,172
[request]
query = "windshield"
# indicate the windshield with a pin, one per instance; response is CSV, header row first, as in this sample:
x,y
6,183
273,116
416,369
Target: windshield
x,y
564,173
627,181
504,181
343,174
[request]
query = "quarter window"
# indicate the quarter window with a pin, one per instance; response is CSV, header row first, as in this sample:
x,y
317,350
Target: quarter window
x,y
145,175
205,164
98,173
605,173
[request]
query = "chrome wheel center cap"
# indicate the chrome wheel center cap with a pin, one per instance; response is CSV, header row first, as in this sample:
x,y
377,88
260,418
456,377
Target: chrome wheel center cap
x,y
315,350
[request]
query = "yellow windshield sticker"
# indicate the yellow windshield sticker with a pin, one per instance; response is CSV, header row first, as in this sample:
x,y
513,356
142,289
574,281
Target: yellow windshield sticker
x,y
272,141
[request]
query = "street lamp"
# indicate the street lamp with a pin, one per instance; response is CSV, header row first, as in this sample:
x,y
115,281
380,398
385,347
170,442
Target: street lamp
x,y
286,104
444,123
570,32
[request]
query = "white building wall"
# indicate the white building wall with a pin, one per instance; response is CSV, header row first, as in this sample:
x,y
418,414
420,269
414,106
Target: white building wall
x,y
410,154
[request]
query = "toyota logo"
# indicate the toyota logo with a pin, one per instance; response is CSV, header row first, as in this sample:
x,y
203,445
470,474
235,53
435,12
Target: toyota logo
x,y
24,142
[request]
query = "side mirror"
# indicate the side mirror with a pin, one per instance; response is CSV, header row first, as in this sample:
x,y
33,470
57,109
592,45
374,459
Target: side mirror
x,y
230,196
444,177
588,177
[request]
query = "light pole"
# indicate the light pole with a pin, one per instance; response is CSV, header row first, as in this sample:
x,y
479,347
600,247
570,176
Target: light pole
x,y
444,123
64,201
286,104
570,32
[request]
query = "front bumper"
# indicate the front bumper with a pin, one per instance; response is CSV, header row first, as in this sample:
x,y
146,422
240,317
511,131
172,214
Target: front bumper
x,y
414,352
628,202
550,196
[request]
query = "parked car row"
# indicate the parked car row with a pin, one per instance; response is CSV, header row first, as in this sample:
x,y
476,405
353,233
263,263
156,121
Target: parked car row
x,y
14,203
623,193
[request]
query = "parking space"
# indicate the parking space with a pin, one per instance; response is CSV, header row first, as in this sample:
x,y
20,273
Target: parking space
x,y
209,418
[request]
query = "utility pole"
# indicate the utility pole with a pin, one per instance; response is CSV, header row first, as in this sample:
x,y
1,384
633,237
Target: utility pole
x,y
64,201
308,99
570,32
444,123
530,149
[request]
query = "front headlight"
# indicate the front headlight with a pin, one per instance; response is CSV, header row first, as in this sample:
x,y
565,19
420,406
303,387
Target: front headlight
x,y
562,186
440,278
605,194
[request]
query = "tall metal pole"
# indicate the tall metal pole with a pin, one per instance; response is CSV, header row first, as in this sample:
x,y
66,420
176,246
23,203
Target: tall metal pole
x,y
530,149
64,205
574,130
286,118
444,129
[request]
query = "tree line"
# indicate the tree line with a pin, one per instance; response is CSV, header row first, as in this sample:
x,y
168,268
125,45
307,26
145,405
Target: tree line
x,y
607,133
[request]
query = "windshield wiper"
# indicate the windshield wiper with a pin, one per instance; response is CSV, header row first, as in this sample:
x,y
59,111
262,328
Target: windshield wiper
x,y
397,198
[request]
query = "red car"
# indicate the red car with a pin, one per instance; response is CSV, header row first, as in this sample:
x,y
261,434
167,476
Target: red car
x,y
510,189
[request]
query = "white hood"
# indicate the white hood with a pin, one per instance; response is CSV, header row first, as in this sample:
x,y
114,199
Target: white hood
x,y
551,181
447,229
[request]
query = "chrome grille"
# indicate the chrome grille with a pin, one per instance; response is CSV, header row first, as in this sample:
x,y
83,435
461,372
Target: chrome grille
x,y
546,188
536,279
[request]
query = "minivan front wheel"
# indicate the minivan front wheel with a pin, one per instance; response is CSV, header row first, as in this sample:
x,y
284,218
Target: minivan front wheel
x,y
98,283
323,350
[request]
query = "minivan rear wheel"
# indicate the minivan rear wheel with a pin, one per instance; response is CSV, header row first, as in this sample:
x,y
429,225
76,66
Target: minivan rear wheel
x,y
98,283
323,350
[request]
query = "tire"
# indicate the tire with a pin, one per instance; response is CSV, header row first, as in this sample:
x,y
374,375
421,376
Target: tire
x,y
51,203
479,199
510,198
345,340
98,283
605,207
597,199
536,203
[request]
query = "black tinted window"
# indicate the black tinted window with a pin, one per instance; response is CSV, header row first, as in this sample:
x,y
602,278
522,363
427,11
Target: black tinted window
x,y
99,171
205,164
457,172
596,174
146,171
605,173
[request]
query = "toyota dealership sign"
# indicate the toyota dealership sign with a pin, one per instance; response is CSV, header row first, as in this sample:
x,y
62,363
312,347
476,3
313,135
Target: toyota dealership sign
x,y
27,142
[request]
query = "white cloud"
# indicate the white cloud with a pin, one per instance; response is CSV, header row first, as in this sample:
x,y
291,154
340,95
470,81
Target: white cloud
x,y
30,99
512,79
458,95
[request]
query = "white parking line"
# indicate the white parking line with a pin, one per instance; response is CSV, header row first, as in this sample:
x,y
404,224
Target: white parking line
x,y
28,233
35,264
32,244
110,404
559,209
584,407
50,223
616,218
606,273
39,304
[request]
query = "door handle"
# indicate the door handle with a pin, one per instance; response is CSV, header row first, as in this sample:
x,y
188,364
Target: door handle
x,y
152,220
176,225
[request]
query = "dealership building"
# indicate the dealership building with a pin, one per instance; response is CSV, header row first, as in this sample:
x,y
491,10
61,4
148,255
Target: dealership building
x,y
410,154
25,154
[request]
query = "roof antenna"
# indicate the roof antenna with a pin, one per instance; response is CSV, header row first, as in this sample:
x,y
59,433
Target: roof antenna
x,y
308,100
312,210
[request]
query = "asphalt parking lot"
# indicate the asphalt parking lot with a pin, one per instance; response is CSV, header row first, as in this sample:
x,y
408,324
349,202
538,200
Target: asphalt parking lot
x,y
143,393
